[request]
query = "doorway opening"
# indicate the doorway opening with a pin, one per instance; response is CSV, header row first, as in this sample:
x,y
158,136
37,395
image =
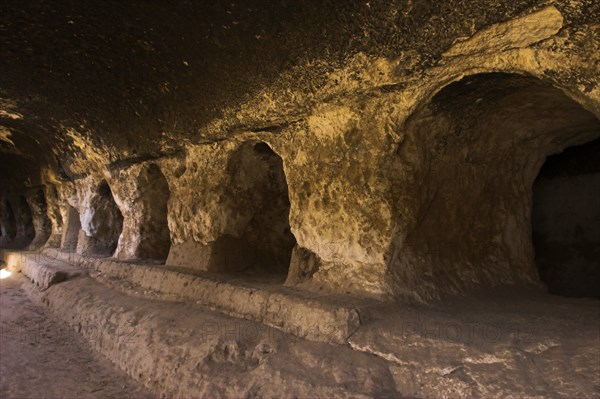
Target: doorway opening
x,y
566,221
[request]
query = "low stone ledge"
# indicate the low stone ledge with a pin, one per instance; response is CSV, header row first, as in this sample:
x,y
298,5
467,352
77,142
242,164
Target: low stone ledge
x,y
456,348
315,317
43,276
182,350
41,270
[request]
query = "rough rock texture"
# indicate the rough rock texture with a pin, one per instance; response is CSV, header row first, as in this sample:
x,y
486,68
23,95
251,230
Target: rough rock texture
x,y
155,240
401,183
487,136
376,149
101,223
376,143
248,225
70,230
54,215
41,270
40,220
306,315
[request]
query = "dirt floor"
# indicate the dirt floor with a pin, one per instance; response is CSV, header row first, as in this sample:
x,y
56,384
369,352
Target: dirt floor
x,y
42,357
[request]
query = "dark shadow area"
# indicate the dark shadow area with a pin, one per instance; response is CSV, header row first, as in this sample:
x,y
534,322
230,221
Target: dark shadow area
x,y
263,242
566,221
25,229
155,239
41,222
9,223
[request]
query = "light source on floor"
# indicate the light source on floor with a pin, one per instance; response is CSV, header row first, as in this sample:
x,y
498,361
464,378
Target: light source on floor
x,y
4,273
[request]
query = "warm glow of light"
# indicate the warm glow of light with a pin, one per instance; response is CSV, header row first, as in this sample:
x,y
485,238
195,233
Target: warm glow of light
x,y
12,260
4,273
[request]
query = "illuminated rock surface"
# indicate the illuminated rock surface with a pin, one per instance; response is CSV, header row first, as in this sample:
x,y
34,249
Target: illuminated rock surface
x,y
316,167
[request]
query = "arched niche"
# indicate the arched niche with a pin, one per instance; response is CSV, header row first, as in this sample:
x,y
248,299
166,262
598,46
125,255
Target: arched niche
x,y
464,178
259,241
103,224
155,239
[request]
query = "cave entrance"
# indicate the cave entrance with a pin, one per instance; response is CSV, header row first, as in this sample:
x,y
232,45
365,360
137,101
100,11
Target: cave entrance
x,y
155,238
566,221
104,224
25,223
261,241
71,230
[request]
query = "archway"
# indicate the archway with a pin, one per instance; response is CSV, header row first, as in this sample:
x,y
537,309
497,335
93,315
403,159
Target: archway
x,y
155,239
566,221
102,224
260,241
471,156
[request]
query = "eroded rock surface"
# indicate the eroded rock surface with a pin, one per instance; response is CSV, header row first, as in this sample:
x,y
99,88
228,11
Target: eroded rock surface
x,y
402,170
384,150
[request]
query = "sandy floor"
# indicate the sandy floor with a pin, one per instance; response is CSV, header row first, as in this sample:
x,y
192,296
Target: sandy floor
x,y
41,357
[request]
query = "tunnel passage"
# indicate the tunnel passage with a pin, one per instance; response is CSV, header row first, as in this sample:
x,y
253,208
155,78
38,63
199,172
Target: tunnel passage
x,y
102,224
9,223
155,239
566,221
261,241
471,155
71,230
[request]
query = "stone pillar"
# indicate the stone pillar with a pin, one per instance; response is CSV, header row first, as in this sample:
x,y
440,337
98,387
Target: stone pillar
x,y
53,203
340,211
142,193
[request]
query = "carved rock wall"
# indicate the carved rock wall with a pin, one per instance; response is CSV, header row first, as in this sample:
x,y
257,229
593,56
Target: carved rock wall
x,y
396,176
